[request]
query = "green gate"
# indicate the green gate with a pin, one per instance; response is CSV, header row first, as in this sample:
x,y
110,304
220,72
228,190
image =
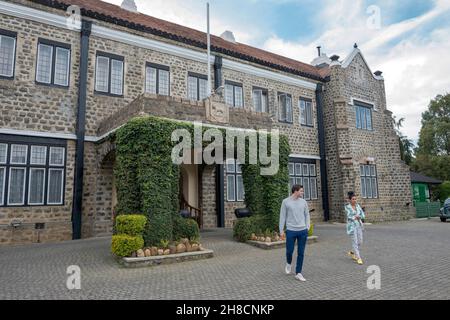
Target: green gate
x,y
427,209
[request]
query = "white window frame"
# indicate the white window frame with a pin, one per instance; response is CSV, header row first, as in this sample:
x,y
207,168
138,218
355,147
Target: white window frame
x,y
235,172
29,187
6,154
68,67
62,187
198,80
31,155
2,195
288,108
23,188
50,157
11,155
307,121
107,73
13,55
51,63
233,86
264,96
370,178
110,58
158,68
301,176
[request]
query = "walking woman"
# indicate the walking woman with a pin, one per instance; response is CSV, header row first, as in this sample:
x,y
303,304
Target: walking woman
x,y
355,226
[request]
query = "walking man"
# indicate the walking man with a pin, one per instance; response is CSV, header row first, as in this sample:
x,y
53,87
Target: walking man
x,y
294,215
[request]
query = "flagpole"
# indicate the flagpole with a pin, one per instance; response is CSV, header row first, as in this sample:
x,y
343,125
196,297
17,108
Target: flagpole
x,y
209,50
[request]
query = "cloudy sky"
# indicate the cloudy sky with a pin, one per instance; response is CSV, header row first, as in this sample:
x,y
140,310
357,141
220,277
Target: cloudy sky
x,y
410,42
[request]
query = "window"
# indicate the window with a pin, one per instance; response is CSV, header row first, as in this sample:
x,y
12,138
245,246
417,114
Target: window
x,y
234,95
235,184
306,112
260,100
109,74
303,172
31,173
7,53
363,116
197,87
285,107
157,79
369,185
53,63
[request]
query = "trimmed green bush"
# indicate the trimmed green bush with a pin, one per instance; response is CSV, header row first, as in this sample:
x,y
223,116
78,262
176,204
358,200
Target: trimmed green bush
x,y
124,245
130,224
185,228
244,227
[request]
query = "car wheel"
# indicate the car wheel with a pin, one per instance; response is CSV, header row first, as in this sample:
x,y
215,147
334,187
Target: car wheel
x,y
443,219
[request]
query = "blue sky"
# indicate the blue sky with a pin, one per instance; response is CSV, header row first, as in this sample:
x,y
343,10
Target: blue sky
x,y
411,44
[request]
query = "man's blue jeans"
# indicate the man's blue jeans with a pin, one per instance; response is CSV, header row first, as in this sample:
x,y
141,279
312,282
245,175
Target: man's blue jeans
x,y
291,237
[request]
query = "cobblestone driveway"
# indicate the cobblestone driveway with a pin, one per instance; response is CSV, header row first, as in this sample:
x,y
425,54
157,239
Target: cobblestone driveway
x,y
414,258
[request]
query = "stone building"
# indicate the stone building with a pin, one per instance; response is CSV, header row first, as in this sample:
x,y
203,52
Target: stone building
x,y
67,83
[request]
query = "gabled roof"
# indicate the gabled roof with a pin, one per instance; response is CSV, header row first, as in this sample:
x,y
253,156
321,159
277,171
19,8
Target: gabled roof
x,y
417,177
110,13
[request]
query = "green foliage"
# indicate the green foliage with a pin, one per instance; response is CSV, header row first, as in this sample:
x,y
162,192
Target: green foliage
x,y
311,230
185,228
443,191
244,227
131,224
124,245
164,244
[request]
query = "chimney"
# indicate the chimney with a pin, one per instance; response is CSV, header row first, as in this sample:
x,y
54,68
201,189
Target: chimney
x,y
322,60
129,5
228,36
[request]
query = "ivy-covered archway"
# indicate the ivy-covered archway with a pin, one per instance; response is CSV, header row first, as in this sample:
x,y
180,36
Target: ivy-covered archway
x,y
147,180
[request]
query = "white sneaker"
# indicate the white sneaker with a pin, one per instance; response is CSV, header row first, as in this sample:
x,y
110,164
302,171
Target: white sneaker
x,y
288,268
300,277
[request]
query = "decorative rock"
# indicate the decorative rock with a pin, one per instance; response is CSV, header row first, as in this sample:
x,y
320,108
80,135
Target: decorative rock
x,y
160,252
140,253
277,238
188,247
148,252
133,255
184,240
173,249
195,247
181,248
166,252
253,236
268,239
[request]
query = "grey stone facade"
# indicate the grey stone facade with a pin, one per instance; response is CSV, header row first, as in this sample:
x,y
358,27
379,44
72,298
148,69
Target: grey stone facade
x,y
33,109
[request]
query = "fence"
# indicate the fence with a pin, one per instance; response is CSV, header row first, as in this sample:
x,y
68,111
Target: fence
x,y
427,209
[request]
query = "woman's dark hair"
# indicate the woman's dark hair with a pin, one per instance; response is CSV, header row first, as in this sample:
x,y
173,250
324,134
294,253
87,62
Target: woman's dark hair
x,y
350,194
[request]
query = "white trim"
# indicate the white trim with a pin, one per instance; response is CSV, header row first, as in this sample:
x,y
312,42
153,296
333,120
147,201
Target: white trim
x,y
38,67
29,187
302,156
55,135
234,187
13,69
31,155
68,66
352,56
6,154
50,157
62,186
24,183
2,195
352,102
11,154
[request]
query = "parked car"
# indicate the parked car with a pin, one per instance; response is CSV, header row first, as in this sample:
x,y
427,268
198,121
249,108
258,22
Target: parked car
x,y
445,210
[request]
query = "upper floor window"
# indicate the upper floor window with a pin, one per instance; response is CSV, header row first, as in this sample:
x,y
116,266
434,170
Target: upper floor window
x,y
235,184
234,94
53,63
31,174
7,53
260,99
157,79
306,112
109,74
303,172
363,116
197,86
369,185
285,107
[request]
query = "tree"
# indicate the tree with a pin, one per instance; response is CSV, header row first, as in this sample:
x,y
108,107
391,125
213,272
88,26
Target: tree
x,y
433,151
406,145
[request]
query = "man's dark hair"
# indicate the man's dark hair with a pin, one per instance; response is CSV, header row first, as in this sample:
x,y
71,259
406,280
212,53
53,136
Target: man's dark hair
x,y
350,194
296,187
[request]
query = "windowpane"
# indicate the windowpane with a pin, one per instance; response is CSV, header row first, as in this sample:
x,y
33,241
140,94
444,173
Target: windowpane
x,y
231,195
312,170
288,109
238,167
282,106
150,80
2,184
257,100
358,117
291,169
62,66
56,156
117,77
306,188
239,100
373,171
3,152
19,154
361,171
102,74
299,181
192,88
16,189
309,120
298,169
55,184
203,89
163,85
229,95
369,119
313,182
240,188
291,184
363,187
302,112
36,186
230,165
374,188
368,188
44,63
264,101
305,170
367,171
38,155
7,52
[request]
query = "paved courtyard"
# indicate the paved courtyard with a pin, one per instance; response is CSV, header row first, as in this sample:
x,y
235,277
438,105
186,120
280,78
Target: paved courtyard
x,y
414,258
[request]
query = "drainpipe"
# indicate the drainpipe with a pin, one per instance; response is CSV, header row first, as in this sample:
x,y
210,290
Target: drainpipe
x,y
323,164
220,185
81,120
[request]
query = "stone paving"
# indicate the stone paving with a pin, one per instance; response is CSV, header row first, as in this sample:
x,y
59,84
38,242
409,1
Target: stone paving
x,y
414,258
